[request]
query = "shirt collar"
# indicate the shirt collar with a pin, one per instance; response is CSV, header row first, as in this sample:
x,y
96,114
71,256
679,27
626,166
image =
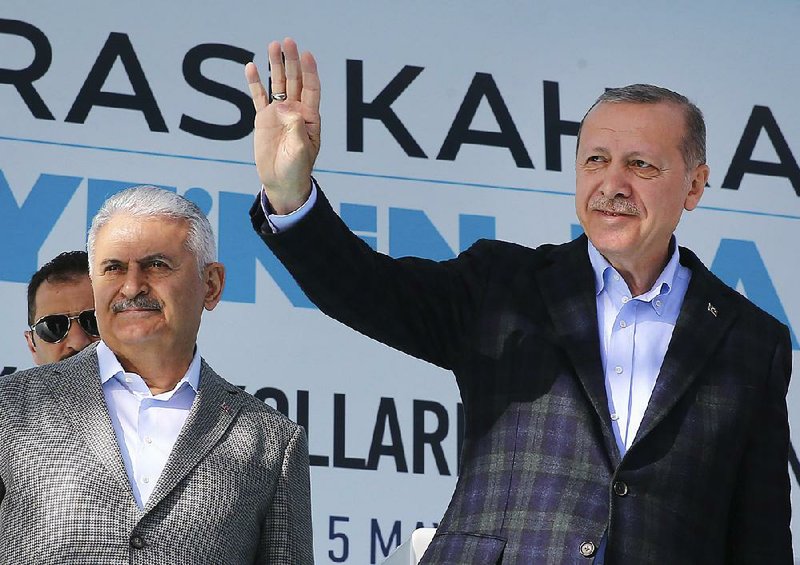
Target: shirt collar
x,y
665,281
109,367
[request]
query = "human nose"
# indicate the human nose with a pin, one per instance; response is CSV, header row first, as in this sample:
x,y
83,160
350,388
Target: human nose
x,y
135,283
76,338
616,182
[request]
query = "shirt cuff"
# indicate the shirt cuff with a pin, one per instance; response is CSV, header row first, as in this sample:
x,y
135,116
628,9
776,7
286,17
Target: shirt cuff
x,y
283,222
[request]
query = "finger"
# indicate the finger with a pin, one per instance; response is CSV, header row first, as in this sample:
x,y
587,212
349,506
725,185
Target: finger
x,y
257,90
277,74
311,86
294,78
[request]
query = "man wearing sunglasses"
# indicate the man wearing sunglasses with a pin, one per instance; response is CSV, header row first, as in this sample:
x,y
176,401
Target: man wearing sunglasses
x,y
134,450
61,320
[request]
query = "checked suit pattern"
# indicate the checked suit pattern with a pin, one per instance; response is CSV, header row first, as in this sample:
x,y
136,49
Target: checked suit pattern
x,y
235,488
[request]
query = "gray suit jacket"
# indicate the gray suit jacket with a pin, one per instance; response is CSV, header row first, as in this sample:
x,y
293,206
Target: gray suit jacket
x,y
235,488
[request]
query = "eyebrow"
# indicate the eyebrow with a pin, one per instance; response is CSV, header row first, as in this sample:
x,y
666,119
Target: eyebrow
x,y
154,257
145,259
592,150
637,154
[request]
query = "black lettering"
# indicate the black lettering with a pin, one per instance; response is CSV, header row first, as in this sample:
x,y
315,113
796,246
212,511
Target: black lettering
x,y
379,109
387,414
23,79
194,77
483,86
339,458
762,119
117,46
794,463
434,438
377,536
302,419
554,126
271,393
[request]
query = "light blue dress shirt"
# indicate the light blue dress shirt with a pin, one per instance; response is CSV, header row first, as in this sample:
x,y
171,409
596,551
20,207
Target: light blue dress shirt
x,y
282,222
146,425
635,332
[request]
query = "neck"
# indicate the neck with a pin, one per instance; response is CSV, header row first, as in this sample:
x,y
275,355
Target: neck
x,y
160,371
639,281
640,272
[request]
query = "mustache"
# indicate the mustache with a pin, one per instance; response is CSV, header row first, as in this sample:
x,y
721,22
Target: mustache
x,y
140,302
613,205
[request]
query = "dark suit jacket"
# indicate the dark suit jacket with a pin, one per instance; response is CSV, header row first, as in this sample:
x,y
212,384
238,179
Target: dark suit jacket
x,y
706,479
235,488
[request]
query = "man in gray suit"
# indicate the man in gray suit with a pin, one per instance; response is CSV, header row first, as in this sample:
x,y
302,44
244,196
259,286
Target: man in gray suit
x,y
135,450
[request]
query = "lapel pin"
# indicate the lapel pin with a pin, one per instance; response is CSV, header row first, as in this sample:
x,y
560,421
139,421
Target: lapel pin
x,y
225,407
712,309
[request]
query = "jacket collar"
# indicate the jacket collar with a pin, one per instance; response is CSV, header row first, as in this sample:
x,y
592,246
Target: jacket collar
x,y
708,311
76,386
569,292
214,410
568,287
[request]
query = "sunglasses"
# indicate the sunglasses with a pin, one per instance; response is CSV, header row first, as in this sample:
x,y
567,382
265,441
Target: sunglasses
x,y
55,327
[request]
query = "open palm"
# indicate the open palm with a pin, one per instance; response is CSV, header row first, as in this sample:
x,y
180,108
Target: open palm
x,y
286,135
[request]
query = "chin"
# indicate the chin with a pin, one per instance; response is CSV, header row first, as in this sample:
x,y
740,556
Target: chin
x,y
134,336
612,236
613,244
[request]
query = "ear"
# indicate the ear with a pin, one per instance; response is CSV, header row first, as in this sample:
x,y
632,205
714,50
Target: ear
x,y
29,341
698,182
214,279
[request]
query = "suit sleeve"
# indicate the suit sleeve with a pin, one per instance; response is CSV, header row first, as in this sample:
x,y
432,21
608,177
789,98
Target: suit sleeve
x,y
759,529
3,441
286,535
421,307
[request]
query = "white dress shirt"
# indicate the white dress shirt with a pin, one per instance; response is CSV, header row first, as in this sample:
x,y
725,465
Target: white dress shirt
x,y
146,425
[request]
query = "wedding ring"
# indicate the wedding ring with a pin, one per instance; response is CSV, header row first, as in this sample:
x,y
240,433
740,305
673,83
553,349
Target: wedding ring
x,y
279,96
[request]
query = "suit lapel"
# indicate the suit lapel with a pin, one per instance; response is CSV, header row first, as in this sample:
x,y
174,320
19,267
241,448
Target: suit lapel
x,y
570,297
214,408
704,319
76,387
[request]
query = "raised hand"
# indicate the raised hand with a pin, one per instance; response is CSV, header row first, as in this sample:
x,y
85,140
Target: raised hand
x,y
286,136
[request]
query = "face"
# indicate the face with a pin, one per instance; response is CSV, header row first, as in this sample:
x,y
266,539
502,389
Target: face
x,y
69,297
632,184
149,295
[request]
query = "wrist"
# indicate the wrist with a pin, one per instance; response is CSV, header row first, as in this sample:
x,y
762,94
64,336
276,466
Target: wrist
x,y
285,202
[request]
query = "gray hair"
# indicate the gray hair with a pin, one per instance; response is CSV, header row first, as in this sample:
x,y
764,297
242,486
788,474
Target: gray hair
x,y
150,202
693,145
